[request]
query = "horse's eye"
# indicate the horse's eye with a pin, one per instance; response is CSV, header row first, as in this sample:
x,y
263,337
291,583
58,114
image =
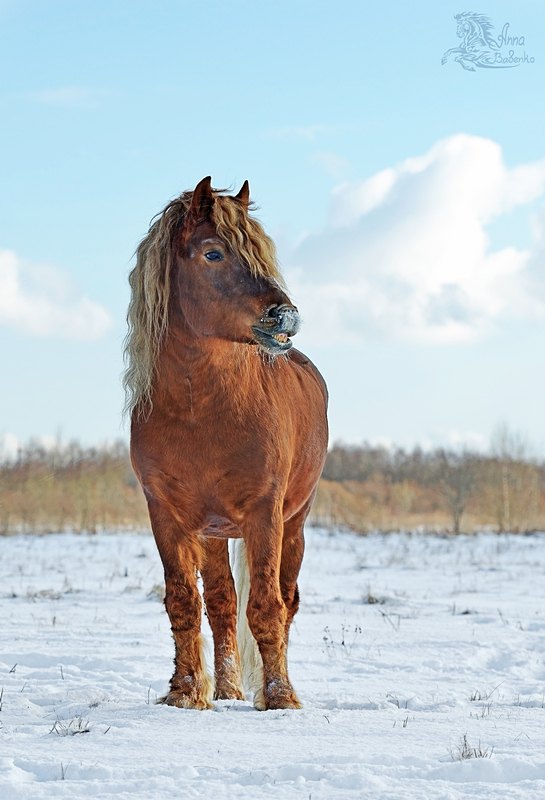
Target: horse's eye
x,y
214,255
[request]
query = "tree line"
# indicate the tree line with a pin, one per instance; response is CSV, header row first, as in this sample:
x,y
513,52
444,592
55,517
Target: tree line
x,y
363,488
369,487
69,487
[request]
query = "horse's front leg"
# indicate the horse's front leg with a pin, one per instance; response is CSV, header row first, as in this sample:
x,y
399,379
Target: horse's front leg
x,y
448,53
267,612
190,685
221,609
466,62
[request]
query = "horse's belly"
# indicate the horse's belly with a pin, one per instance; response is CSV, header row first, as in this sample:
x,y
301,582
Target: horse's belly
x,y
219,527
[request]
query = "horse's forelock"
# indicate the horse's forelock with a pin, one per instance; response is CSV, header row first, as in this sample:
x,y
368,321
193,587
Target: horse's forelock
x,y
246,238
481,20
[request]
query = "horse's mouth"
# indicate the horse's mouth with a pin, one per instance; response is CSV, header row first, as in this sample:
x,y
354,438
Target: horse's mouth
x,y
272,343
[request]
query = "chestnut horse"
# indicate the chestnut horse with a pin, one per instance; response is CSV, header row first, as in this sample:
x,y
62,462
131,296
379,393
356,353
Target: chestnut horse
x,y
228,439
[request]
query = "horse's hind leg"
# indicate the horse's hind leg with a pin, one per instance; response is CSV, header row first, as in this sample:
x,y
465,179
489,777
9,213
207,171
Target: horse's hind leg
x,y
267,612
190,685
221,609
293,548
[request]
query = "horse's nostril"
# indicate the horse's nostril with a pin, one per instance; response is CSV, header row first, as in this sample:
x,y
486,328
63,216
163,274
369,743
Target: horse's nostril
x,y
279,311
288,310
281,319
272,311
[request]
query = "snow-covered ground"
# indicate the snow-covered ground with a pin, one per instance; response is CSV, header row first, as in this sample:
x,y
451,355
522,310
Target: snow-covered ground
x,y
408,652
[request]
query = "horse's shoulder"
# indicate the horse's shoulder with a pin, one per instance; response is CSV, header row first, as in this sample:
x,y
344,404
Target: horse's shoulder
x,y
301,360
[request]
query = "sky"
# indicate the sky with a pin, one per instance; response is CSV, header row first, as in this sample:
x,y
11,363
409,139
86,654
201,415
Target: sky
x,y
406,198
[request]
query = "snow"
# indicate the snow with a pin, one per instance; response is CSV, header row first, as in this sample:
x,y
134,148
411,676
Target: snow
x,y
404,645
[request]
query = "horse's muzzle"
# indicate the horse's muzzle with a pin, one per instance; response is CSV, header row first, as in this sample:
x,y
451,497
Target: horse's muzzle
x,y
276,326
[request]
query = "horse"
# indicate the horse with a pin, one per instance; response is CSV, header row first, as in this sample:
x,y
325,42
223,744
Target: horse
x,y
478,46
228,441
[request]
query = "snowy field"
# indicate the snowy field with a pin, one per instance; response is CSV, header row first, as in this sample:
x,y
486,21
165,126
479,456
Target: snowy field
x,y
420,662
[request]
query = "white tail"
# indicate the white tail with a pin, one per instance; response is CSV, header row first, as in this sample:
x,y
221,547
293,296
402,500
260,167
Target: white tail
x,y
250,657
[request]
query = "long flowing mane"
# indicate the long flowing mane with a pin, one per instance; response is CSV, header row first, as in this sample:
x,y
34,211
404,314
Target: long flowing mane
x,y
151,279
480,23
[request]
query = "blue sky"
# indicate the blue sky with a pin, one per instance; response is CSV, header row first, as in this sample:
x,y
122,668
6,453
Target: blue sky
x,y
406,197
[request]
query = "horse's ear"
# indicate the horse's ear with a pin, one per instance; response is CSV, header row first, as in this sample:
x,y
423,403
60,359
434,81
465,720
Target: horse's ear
x,y
244,194
202,199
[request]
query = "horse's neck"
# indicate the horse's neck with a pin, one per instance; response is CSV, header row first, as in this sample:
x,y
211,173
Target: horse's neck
x,y
205,370
475,34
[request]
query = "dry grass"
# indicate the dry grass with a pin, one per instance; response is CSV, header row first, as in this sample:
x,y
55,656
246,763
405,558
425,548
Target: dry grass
x,y
463,751
70,727
90,489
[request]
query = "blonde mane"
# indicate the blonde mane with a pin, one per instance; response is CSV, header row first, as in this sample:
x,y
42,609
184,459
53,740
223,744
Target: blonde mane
x,y
150,283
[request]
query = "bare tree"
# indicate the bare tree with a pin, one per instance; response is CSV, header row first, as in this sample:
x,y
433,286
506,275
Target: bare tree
x,y
514,480
456,482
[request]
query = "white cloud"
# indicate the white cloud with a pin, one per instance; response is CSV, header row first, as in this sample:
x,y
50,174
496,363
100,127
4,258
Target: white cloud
x,y
9,445
331,163
40,300
69,97
308,133
458,441
406,252
536,264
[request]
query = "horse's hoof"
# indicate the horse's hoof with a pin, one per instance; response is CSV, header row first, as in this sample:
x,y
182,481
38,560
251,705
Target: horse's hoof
x,y
285,702
183,700
227,685
276,699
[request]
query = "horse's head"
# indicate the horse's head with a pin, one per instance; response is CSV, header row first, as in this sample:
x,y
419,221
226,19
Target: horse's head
x,y
226,283
470,25
467,24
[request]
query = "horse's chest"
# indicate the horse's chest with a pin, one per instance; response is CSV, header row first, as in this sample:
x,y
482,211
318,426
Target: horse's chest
x,y
222,471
